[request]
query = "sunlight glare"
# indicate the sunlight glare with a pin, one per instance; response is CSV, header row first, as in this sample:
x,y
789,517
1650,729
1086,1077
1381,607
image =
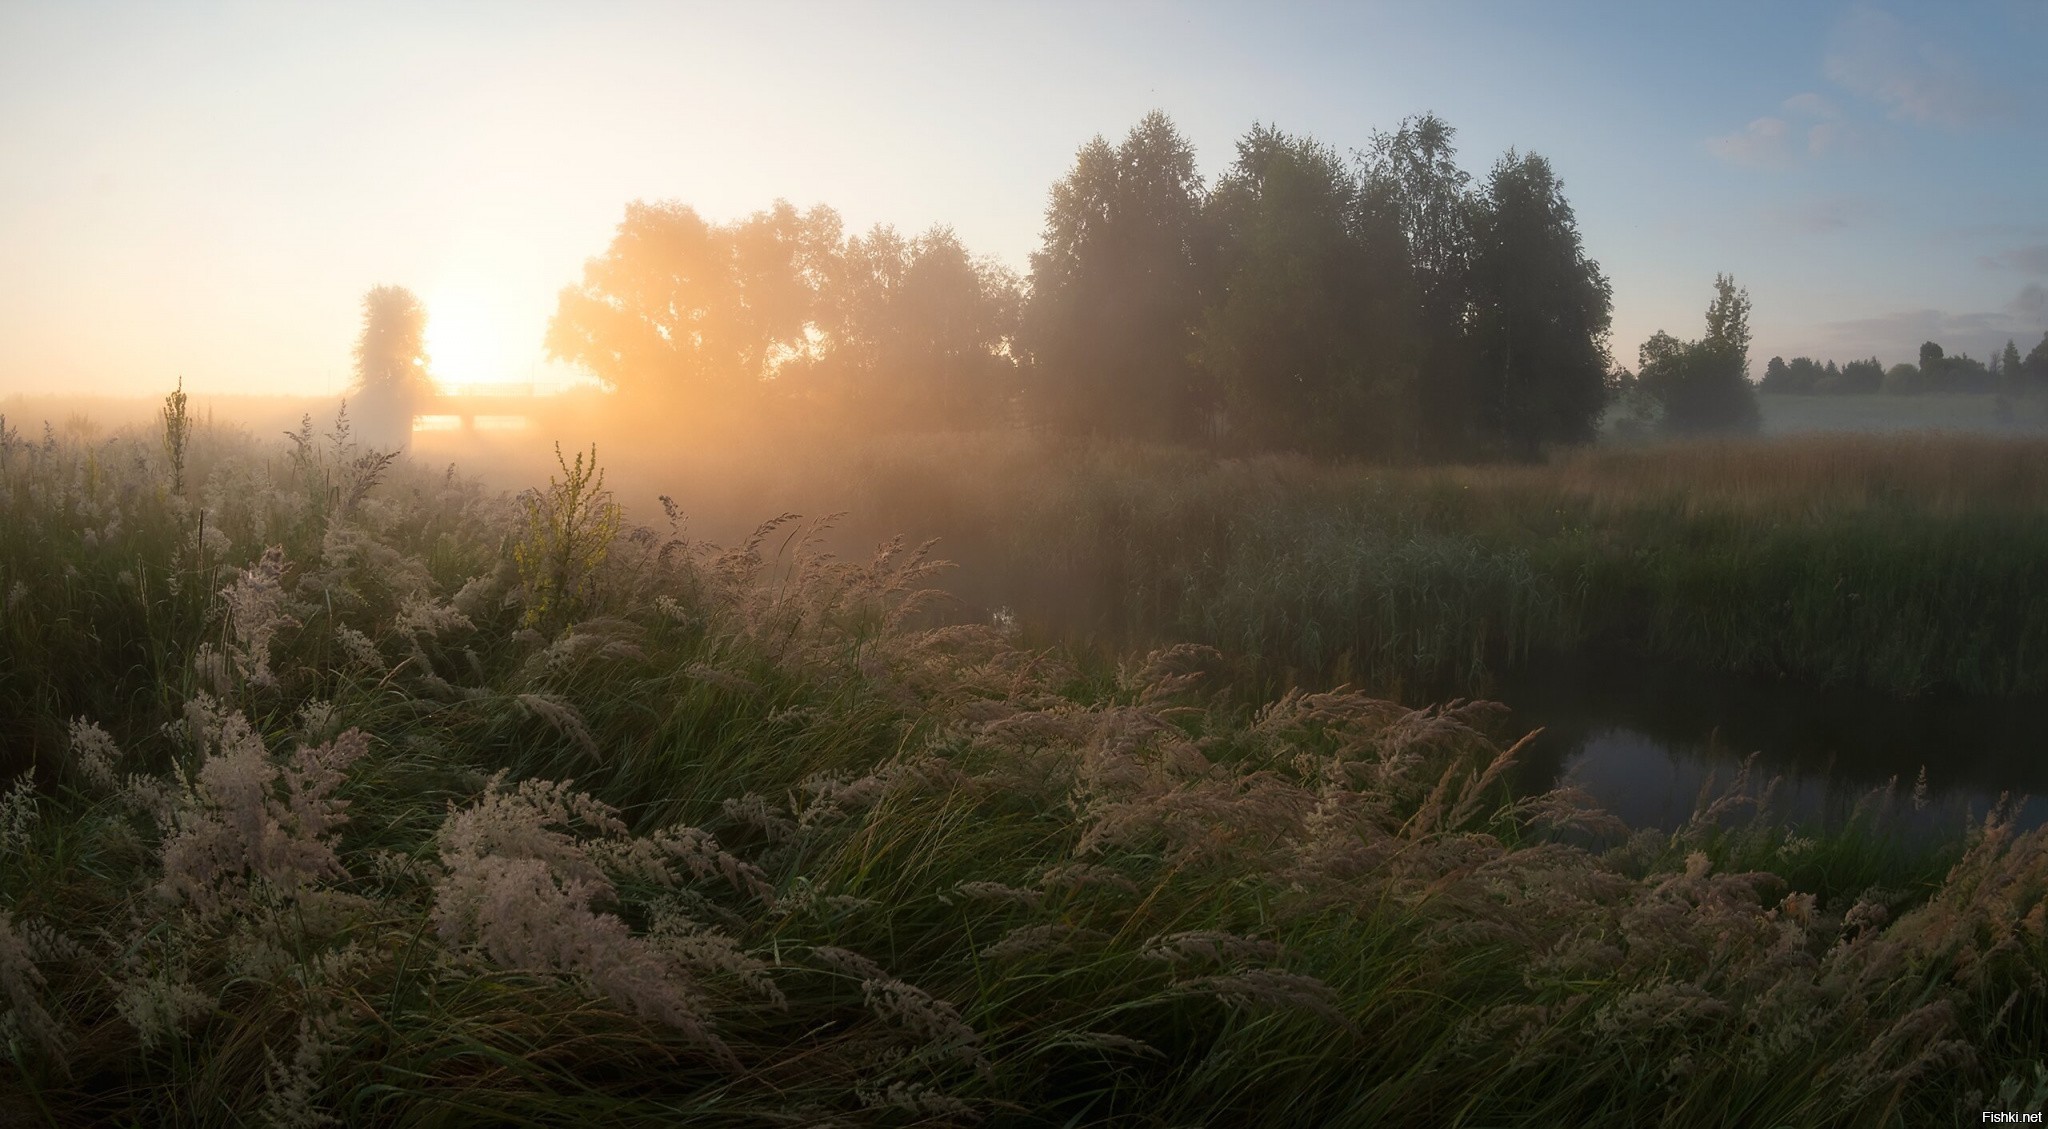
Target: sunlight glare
x,y
469,338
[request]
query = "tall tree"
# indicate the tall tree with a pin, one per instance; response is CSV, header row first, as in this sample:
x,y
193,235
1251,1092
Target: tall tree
x,y
1309,342
1540,317
392,376
1704,385
1413,174
1117,287
2036,365
681,306
2009,366
916,330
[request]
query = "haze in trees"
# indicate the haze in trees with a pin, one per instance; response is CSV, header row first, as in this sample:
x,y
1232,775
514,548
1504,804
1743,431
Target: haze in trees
x,y
391,367
1117,287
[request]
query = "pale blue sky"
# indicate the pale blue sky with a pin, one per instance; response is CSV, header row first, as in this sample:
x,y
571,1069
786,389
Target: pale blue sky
x,y
206,191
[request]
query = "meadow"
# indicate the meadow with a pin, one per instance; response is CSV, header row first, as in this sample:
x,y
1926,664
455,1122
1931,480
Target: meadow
x,y
1904,563
347,791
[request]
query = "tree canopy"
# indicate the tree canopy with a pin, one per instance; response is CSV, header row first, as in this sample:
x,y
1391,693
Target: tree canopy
x,y
678,305
1379,305
1117,288
1704,385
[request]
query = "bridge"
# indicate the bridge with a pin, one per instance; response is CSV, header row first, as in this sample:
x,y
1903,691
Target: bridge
x,y
478,407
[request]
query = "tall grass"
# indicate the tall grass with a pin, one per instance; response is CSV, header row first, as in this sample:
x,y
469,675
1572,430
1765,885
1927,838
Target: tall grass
x,y
1903,563
298,843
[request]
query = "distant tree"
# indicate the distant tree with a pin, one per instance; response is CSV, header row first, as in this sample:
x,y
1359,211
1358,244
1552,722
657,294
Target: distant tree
x,y
1540,313
1903,380
392,377
2011,370
1777,377
679,306
1930,357
1309,342
1412,174
1863,376
1117,288
2035,367
1704,385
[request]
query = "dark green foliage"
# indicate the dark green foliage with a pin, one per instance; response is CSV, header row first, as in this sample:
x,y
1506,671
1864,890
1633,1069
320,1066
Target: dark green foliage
x,y
1704,385
1412,177
1311,343
1118,287
1541,311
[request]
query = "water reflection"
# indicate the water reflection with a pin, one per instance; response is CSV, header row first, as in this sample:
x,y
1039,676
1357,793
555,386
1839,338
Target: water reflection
x,y
1645,740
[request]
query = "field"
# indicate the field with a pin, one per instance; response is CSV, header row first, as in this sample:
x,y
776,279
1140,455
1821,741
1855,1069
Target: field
x,y
354,792
1904,563
1951,411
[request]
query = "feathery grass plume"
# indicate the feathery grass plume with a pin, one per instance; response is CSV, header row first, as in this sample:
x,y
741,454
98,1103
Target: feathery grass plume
x,y
257,606
915,1097
934,1023
94,754
18,815
26,1022
559,713
290,1088
700,948
1048,937
419,615
1210,945
230,824
1270,989
361,650
523,890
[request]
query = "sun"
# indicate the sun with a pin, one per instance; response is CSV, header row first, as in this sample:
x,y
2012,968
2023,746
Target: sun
x,y
468,340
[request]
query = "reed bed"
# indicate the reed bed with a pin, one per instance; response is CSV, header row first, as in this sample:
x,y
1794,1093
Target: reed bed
x,y
1906,563
345,793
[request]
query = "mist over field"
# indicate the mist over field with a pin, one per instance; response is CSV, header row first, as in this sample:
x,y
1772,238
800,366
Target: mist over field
x,y
1211,592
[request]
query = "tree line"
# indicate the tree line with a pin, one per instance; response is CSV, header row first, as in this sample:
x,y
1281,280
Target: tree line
x,y
1382,303
1937,371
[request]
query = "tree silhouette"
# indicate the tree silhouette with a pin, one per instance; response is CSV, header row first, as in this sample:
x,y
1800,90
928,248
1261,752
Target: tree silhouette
x,y
681,307
1412,174
1117,287
1704,385
392,374
1541,312
1309,340
915,330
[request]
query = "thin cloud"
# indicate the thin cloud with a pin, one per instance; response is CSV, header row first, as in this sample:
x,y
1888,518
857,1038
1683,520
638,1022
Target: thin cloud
x,y
1763,143
1822,215
1808,125
1874,55
1897,336
2026,260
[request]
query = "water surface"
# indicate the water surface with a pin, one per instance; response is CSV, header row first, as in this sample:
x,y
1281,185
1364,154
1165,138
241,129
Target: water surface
x,y
1645,740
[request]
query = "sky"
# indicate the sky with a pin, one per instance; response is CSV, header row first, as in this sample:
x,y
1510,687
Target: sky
x,y
204,192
